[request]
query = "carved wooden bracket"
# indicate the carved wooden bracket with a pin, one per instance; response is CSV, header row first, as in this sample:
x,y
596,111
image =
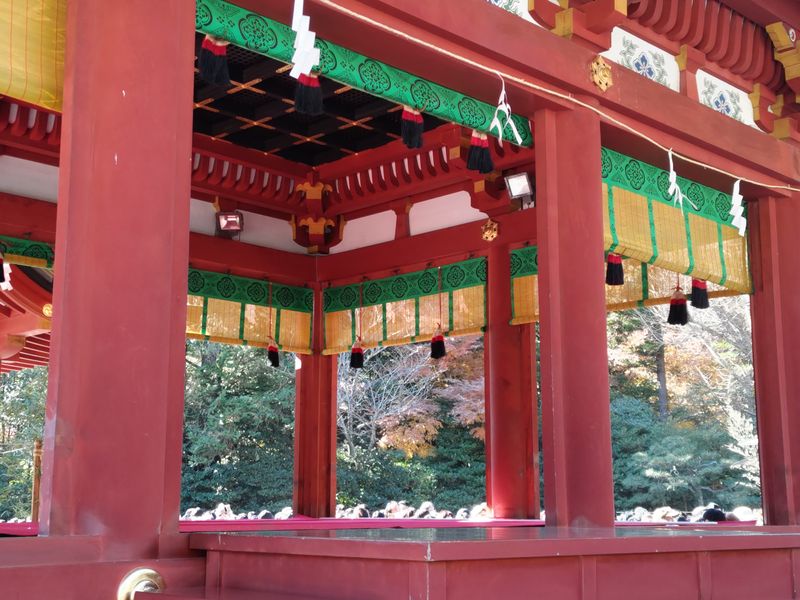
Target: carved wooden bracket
x,y
589,23
787,51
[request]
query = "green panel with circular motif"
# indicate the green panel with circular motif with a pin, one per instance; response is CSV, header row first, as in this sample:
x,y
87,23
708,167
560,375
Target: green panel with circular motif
x,y
27,248
249,291
636,176
524,262
469,273
273,39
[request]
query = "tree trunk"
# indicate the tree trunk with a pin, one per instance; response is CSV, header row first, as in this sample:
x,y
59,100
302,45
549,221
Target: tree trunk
x,y
661,372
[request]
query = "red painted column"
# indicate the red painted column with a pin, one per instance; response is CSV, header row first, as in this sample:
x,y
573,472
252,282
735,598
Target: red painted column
x,y
115,403
315,427
775,308
512,475
576,428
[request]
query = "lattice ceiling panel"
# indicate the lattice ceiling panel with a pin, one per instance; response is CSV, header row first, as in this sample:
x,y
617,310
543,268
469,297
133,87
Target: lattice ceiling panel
x,y
257,112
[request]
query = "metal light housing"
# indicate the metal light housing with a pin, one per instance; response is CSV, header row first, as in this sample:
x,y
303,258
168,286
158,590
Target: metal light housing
x,y
519,186
229,224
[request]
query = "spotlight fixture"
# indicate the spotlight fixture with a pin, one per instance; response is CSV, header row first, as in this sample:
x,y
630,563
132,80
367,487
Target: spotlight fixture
x,y
230,224
521,190
519,186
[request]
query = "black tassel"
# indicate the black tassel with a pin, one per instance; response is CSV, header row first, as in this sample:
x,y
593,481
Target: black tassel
x,y
273,356
213,61
357,357
479,158
699,293
678,311
308,95
411,127
437,347
615,274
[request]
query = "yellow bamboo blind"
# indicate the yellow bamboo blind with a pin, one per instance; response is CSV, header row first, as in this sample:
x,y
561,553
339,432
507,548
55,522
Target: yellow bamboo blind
x,y
407,308
32,42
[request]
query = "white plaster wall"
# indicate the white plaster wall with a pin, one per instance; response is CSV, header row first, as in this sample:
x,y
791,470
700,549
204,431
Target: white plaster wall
x,y
644,58
445,211
28,178
724,98
367,231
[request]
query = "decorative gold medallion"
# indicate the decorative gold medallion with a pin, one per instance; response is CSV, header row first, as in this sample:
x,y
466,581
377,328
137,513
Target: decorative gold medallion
x,y
47,310
601,73
490,230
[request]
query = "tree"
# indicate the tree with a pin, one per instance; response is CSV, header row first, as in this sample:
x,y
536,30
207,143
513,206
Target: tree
x,y
463,385
22,399
238,431
389,401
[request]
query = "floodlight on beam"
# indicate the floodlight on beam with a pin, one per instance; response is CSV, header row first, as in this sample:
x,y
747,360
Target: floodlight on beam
x,y
520,189
229,224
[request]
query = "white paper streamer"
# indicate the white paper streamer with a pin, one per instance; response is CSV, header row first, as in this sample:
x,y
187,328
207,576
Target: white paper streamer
x,y
305,54
504,108
737,209
5,286
674,190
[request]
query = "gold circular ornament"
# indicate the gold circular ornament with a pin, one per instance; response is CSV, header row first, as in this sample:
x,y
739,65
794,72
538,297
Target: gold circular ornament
x,y
601,74
490,230
47,310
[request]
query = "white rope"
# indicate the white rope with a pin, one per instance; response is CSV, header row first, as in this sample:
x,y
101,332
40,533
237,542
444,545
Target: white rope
x,y
545,90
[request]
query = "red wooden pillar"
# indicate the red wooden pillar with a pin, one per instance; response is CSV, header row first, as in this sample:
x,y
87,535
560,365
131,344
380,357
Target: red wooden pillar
x,y
315,427
512,475
576,429
115,403
775,306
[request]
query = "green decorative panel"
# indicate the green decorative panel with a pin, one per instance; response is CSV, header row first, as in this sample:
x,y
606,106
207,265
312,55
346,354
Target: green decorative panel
x,y
468,273
275,40
525,261
201,283
26,248
249,291
641,178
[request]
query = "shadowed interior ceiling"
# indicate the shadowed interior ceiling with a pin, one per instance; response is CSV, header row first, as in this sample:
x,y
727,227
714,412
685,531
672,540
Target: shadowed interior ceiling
x,y
257,111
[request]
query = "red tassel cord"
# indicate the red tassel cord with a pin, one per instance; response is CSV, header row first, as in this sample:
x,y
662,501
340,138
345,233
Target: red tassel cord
x,y
615,274
272,349
213,61
357,352
699,293
678,311
479,158
411,127
438,349
308,95
357,356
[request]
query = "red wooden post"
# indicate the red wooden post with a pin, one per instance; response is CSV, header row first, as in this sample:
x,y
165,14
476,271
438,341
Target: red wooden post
x,y
512,475
578,480
775,308
115,404
315,428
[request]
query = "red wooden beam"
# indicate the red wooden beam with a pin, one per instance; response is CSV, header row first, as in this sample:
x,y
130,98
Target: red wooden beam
x,y
415,253
542,58
36,220
766,12
27,218
246,260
